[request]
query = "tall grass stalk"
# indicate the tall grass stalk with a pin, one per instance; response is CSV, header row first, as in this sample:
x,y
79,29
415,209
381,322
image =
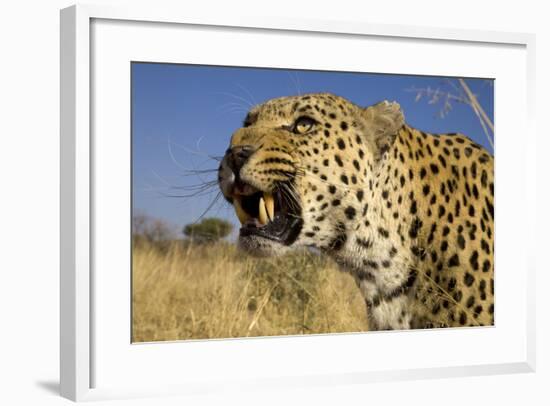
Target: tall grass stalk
x,y
204,291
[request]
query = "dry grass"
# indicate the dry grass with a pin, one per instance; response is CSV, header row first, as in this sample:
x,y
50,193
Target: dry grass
x,y
183,291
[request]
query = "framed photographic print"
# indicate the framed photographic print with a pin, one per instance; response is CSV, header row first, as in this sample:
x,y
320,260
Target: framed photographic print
x,y
237,219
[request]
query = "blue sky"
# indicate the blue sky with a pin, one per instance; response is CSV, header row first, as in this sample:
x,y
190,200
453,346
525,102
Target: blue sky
x,y
184,115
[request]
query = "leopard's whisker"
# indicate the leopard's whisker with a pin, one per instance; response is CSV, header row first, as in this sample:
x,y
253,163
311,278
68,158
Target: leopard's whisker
x,y
237,97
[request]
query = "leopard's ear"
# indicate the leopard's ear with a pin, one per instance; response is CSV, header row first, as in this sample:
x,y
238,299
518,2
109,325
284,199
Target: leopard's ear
x,y
383,121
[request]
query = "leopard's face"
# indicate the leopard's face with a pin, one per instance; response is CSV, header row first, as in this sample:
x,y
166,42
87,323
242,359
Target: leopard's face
x,y
297,170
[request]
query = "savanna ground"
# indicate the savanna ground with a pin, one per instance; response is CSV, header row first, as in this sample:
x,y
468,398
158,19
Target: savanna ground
x,y
185,291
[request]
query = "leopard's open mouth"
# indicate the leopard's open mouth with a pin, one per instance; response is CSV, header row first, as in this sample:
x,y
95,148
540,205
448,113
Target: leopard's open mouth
x,y
273,215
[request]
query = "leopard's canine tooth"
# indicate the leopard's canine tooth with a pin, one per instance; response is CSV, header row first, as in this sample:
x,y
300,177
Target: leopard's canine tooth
x,y
262,212
241,214
269,205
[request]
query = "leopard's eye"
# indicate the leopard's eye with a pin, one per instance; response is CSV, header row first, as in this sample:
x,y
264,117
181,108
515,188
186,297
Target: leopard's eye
x,y
303,125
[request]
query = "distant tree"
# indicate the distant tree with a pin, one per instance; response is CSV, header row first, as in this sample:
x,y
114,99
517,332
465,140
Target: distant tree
x,y
149,229
208,230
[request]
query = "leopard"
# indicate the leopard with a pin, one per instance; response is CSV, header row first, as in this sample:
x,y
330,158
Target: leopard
x,y
407,213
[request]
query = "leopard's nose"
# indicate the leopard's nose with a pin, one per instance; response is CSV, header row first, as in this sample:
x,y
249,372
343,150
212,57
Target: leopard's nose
x,y
238,155
230,166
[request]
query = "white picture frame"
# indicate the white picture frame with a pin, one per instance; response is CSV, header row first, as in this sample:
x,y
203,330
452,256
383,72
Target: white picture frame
x,y
78,353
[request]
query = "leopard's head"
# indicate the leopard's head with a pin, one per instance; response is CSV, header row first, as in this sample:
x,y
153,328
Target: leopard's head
x,y
300,167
